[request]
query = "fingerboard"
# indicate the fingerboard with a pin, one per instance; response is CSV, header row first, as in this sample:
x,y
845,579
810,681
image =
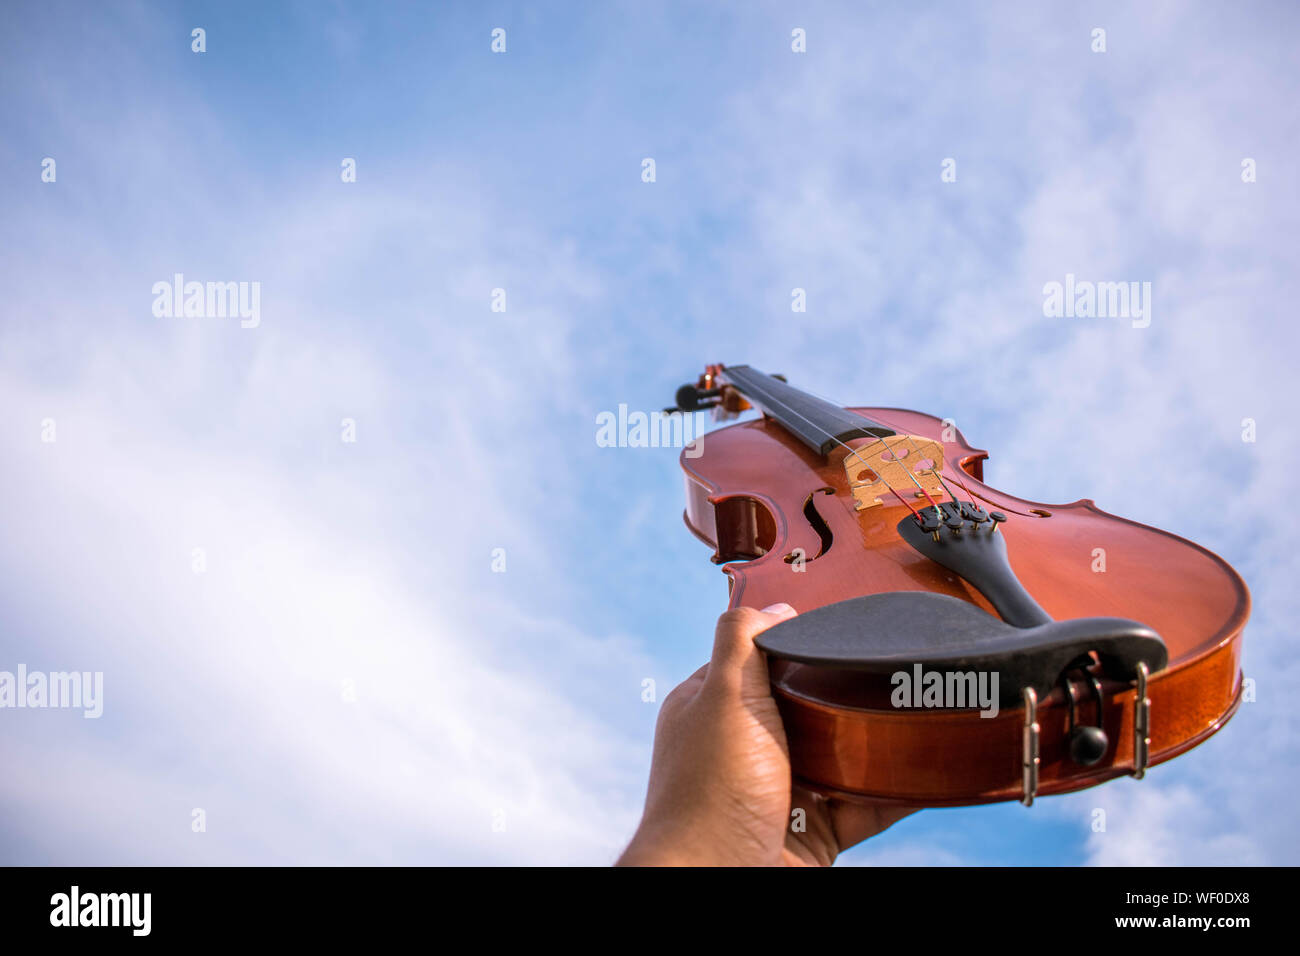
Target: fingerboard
x,y
815,422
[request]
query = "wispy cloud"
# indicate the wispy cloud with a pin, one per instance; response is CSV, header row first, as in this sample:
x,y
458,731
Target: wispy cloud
x,y
483,697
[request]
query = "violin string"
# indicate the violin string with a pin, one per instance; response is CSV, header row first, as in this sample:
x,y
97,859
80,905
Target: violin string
x,y
907,471
956,470
915,514
855,453
944,485
852,452
956,473
923,491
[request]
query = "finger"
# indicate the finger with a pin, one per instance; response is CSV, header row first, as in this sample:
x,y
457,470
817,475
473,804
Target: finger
x,y
736,661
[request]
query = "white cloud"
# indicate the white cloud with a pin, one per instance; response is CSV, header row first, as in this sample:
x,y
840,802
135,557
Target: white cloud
x,y
370,561
224,690
1167,826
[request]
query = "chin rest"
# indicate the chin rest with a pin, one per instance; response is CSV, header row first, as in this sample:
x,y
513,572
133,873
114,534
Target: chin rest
x,y
886,633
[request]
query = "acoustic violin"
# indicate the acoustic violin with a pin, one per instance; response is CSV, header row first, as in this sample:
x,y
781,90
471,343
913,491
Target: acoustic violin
x,y
954,644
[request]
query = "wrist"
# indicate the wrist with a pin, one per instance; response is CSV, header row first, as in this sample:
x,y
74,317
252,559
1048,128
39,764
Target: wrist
x,y
680,842
652,846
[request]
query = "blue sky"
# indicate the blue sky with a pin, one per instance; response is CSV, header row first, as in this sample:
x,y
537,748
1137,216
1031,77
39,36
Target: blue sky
x,y
514,698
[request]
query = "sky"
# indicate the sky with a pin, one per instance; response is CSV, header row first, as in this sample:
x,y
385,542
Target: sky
x,y
422,637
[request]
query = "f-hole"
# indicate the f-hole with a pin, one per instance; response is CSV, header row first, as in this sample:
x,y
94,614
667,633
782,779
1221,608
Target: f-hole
x,y
817,523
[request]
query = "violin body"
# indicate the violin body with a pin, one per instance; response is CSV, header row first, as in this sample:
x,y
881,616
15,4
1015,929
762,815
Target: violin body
x,y
785,527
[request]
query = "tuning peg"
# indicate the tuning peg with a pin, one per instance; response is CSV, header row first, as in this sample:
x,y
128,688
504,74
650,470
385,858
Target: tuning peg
x,y
689,397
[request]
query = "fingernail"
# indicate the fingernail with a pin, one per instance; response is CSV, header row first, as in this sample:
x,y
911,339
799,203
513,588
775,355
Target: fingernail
x,y
778,609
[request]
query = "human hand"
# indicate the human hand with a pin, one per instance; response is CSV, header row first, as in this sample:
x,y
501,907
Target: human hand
x,y
720,789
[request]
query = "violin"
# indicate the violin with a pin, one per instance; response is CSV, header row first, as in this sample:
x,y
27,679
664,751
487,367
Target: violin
x,y
954,645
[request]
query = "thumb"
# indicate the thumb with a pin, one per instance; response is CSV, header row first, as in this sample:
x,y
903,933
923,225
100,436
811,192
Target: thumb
x,y
736,662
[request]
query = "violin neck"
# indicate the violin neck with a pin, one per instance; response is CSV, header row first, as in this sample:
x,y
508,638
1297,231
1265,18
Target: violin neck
x,y
816,422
